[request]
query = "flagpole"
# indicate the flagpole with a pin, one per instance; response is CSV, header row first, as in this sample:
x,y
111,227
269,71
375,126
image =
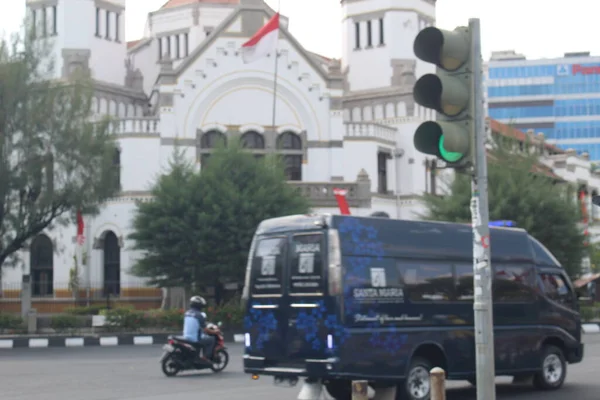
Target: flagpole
x,y
275,72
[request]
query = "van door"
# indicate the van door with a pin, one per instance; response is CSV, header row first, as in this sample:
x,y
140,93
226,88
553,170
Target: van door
x,y
266,314
306,337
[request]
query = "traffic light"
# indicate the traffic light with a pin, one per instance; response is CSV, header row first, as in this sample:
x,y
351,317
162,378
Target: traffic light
x,y
450,92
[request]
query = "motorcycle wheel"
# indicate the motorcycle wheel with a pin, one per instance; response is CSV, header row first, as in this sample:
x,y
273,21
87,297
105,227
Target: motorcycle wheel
x,y
221,359
169,366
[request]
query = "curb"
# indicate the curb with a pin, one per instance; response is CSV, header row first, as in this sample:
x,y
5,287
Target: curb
x,y
91,341
590,328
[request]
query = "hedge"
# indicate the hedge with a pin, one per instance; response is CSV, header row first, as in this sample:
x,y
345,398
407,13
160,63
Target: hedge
x,y
10,323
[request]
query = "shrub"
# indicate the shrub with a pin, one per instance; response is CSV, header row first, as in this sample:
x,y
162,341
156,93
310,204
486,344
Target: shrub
x,y
65,323
229,313
587,313
126,319
86,310
10,323
166,319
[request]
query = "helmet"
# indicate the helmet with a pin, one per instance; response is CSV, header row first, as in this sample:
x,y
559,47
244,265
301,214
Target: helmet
x,y
197,302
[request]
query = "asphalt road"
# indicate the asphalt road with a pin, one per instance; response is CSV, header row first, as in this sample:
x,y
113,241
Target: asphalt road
x,y
133,373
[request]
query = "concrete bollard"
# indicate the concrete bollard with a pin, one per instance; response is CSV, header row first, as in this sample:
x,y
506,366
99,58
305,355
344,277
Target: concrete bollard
x,y
360,390
437,378
32,321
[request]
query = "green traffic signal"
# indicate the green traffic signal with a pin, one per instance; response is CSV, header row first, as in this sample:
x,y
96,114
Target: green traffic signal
x,y
445,140
448,156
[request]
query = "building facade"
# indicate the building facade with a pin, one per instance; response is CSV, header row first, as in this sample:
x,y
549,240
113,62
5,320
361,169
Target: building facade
x,y
557,97
345,124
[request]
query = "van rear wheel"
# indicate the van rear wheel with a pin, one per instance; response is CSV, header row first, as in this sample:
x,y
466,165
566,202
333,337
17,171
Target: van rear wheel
x,y
339,389
417,385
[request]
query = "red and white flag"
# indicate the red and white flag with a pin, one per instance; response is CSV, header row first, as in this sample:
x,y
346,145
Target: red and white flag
x,y
263,42
340,196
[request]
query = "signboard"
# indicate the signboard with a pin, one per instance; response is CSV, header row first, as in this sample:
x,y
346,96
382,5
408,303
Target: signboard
x,y
578,69
306,274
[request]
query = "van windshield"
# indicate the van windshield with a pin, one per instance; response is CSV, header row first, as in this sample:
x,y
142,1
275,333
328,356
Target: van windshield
x,y
267,266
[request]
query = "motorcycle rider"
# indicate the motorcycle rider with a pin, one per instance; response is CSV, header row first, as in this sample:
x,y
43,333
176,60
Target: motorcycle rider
x,y
195,330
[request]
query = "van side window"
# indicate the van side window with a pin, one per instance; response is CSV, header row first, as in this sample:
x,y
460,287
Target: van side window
x,y
513,283
464,282
556,288
267,266
426,282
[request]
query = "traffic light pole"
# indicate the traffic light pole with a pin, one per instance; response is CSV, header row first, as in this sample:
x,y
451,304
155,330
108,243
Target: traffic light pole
x,y
482,269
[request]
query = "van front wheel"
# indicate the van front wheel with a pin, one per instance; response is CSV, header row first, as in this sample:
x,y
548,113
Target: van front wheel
x,y
553,370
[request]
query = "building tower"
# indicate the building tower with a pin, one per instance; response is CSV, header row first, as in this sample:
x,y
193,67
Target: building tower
x,y
85,34
377,41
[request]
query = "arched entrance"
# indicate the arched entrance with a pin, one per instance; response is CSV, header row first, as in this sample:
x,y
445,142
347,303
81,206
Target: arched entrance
x,y
41,262
112,264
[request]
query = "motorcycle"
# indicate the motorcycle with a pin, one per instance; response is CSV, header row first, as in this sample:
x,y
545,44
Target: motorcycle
x,y
181,355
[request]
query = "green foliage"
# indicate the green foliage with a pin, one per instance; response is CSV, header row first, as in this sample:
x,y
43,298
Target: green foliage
x,y
10,323
594,254
229,313
91,310
548,211
588,313
126,319
53,158
65,323
198,228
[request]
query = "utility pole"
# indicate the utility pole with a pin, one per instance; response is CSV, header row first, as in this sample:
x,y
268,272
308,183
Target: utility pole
x,y
483,302
457,139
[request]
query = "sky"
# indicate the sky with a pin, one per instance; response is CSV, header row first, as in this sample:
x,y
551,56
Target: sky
x,y
535,28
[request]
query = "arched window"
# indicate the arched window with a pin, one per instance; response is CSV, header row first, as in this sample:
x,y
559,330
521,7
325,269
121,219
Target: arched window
x,y
212,139
253,140
112,264
291,146
289,141
41,262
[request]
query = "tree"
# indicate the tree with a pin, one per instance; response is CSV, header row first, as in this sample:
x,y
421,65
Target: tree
x,y
166,228
594,254
53,158
199,227
519,191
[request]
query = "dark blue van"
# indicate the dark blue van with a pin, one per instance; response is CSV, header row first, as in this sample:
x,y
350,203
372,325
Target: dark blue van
x,y
341,298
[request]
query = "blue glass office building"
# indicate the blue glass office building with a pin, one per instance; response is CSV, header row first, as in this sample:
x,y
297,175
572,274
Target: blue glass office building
x,y
557,97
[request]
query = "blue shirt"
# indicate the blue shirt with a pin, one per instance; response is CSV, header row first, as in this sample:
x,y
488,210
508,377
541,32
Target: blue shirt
x,y
193,323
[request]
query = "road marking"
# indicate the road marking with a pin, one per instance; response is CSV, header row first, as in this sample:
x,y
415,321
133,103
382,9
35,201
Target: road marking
x,y
590,328
6,344
143,340
109,341
74,342
238,338
38,343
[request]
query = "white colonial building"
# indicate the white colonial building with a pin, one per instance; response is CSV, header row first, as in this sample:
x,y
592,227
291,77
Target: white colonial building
x,y
343,124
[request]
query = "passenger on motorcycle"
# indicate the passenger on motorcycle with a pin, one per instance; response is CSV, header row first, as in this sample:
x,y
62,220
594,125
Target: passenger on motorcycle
x,y
195,330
